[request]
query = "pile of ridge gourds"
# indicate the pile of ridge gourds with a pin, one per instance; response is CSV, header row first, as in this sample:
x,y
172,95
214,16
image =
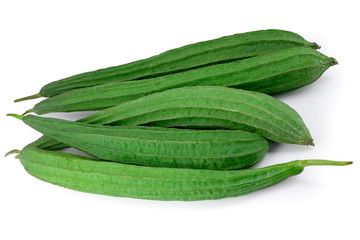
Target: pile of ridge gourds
x,y
181,125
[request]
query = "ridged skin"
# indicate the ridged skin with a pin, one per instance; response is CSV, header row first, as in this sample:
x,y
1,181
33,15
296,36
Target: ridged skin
x,y
216,107
207,108
157,147
272,73
123,180
225,49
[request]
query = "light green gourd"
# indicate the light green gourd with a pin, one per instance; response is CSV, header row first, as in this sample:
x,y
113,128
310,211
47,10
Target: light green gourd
x,y
167,184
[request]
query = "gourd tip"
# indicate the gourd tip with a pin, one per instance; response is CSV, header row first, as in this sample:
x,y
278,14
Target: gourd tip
x,y
308,142
333,61
28,111
28,98
317,162
14,115
15,151
316,46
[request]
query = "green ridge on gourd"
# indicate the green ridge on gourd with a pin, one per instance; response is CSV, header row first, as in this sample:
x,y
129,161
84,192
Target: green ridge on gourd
x,y
167,184
224,49
157,147
273,73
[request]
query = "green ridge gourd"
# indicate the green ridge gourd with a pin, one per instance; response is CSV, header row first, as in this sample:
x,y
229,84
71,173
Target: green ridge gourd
x,y
168,184
157,147
213,107
272,73
224,49
206,107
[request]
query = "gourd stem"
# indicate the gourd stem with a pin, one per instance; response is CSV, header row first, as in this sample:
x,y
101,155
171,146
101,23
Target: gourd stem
x,y
315,162
15,151
15,115
28,111
28,97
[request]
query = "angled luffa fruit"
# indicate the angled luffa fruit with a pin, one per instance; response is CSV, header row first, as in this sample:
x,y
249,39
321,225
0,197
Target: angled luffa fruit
x,y
157,147
209,108
169,184
272,73
221,50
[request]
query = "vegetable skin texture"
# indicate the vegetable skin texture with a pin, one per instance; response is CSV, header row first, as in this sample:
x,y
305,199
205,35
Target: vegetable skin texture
x,y
211,107
157,147
273,73
167,184
204,107
220,50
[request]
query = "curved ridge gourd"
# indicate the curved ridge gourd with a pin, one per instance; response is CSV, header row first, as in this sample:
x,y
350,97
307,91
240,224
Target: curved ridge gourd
x,y
158,147
273,73
224,49
206,107
215,106
168,184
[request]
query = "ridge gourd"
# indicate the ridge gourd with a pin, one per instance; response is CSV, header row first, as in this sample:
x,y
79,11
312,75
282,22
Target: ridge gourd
x,y
273,73
209,108
157,147
197,55
167,184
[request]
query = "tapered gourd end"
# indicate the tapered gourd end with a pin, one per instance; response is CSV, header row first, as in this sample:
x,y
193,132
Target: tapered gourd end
x,y
27,112
15,115
316,46
307,142
333,61
317,162
15,151
28,98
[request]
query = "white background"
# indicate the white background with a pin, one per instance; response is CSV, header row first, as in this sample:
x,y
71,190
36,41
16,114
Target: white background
x,y
42,41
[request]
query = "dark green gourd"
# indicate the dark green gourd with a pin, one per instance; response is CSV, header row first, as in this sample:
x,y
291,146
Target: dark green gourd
x,y
157,147
273,73
221,50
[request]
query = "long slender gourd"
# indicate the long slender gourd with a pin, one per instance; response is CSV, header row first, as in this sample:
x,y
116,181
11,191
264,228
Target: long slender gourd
x,y
225,49
272,73
157,147
168,184
214,107
206,107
